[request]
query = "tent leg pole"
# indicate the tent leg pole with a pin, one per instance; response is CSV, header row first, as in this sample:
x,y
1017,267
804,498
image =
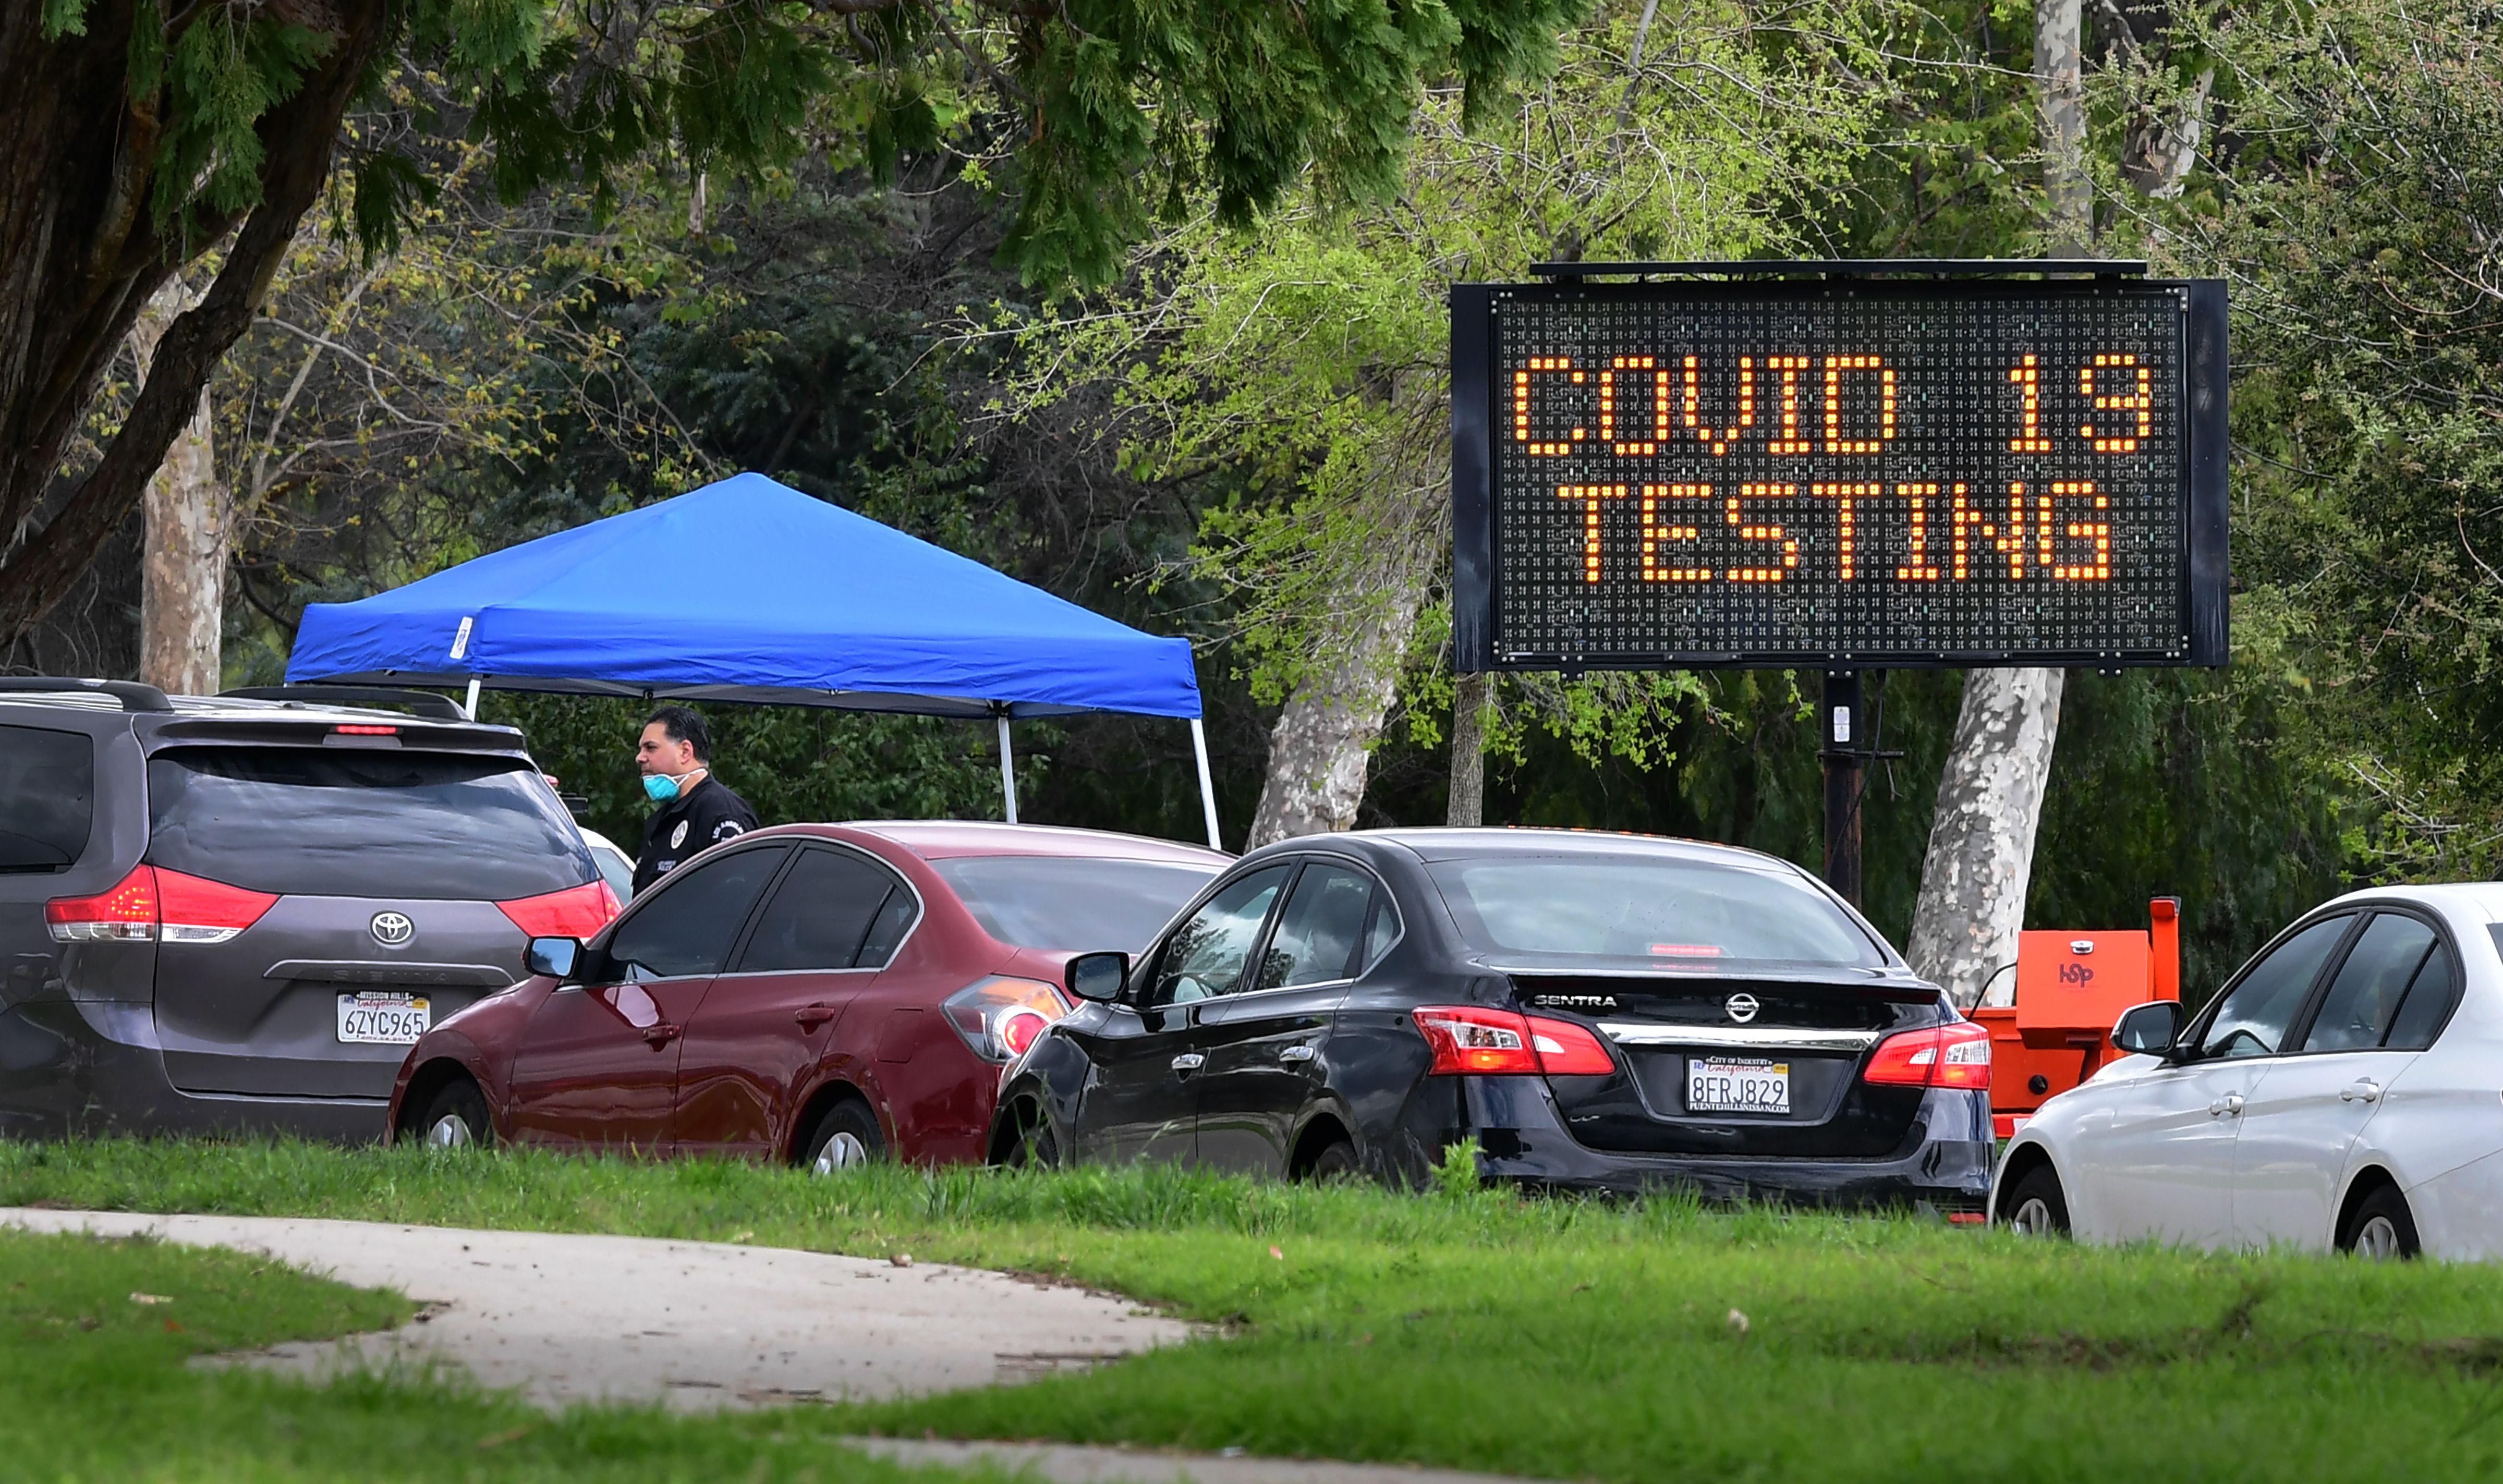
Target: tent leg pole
x,y
1207,789
473,698
1008,770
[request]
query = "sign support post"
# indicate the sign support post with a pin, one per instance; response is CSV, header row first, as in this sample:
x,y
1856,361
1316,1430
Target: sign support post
x,y
1841,752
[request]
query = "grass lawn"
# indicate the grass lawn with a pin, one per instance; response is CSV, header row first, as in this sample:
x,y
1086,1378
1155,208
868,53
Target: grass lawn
x,y
1546,1338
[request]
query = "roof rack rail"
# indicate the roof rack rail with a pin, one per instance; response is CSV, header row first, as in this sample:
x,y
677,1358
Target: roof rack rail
x,y
424,703
133,696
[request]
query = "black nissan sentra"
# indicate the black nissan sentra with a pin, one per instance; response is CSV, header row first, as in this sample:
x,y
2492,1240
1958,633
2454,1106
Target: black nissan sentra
x,y
1600,1012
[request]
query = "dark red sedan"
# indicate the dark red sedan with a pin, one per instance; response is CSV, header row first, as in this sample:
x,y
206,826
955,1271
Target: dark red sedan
x,y
821,993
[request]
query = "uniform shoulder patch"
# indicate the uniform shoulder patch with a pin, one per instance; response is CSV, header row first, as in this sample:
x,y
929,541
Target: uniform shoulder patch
x,y
728,829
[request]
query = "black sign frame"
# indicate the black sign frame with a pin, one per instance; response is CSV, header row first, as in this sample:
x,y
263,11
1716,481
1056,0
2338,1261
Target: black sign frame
x,y
1477,592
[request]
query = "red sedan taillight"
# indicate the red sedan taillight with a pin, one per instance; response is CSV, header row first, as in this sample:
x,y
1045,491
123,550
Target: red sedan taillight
x,y
999,1018
1956,1056
1473,1040
153,903
577,912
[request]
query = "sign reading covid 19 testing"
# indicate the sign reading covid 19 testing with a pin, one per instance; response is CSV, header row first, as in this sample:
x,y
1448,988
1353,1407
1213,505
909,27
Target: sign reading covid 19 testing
x,y
1845,472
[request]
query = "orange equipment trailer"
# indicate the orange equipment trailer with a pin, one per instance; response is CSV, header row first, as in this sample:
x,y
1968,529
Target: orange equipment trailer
x,y
2070,989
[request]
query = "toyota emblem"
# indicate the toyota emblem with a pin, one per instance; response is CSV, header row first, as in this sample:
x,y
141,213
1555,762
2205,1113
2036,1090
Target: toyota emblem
x,y
393,928
1742,1007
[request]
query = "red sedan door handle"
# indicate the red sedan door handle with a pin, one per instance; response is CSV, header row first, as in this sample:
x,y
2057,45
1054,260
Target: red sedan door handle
x,y
810,1017
661,1035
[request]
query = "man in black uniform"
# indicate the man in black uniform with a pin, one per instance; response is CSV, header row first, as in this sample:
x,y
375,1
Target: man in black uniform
x,y
675,755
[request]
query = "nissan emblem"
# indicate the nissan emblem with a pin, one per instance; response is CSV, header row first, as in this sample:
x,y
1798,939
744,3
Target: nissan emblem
x,y
1742,1007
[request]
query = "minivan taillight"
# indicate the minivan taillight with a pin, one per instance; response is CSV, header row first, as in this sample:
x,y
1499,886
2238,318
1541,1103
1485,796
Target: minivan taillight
x,y
1471,1041
154,903
576,911
1956,1056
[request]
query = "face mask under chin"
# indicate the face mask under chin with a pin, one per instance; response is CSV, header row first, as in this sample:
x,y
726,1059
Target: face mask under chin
x,y
660,787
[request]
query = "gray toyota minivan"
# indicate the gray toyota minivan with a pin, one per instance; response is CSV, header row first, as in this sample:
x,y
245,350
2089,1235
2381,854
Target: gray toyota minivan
x,y
239,913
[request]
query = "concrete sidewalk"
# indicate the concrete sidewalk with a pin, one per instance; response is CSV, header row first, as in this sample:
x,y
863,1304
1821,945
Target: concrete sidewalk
x,y
1073,1463
566,1317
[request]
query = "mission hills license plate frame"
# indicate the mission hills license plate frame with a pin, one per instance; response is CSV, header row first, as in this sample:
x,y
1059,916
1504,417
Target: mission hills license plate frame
x,y
383,1017
1864,427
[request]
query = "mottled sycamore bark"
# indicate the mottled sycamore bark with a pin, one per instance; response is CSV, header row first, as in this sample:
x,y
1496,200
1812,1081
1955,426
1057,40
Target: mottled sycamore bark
x,y
1980,857
1981,841
1321,749
183,565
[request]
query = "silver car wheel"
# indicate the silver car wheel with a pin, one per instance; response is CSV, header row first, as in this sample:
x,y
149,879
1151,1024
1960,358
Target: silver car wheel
x,y
2033,1218
450,1131
2377,1240
842,1152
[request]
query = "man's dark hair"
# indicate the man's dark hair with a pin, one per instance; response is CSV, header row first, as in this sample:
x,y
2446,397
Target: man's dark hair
x,y
680,724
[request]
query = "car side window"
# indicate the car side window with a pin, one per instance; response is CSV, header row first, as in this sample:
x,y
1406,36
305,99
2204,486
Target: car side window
x,y
2364,998
1205,958
1321,930
2257,1012
684,925
824,913
1379,934
2428,1004
47,797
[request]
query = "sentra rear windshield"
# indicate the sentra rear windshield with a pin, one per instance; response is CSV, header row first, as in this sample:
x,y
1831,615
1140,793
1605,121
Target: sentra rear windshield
x,y
1664,910
1071,903
436,826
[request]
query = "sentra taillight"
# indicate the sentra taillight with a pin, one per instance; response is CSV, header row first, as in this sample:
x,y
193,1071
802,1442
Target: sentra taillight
x,y
154,903
1469,1040
576,911
1956,1056
1567,1050
999,1018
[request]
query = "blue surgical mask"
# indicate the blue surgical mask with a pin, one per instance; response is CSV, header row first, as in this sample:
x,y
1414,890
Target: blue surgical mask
x,y
660,786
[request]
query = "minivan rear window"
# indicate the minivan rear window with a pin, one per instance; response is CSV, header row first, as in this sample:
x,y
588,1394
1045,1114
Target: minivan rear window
x,y
47,797
1666,911
428,825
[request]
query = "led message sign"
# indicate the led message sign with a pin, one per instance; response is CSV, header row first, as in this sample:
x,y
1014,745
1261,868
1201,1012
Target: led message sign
x,y
1843,473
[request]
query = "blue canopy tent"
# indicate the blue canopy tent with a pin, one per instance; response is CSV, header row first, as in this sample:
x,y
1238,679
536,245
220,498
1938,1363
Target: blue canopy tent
x,y
748,590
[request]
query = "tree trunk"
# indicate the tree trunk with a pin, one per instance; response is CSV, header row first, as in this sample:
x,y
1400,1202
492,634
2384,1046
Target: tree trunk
x,y
1470,696
1981,841
1323,746
1981,858
82,249
183,572
2058,68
